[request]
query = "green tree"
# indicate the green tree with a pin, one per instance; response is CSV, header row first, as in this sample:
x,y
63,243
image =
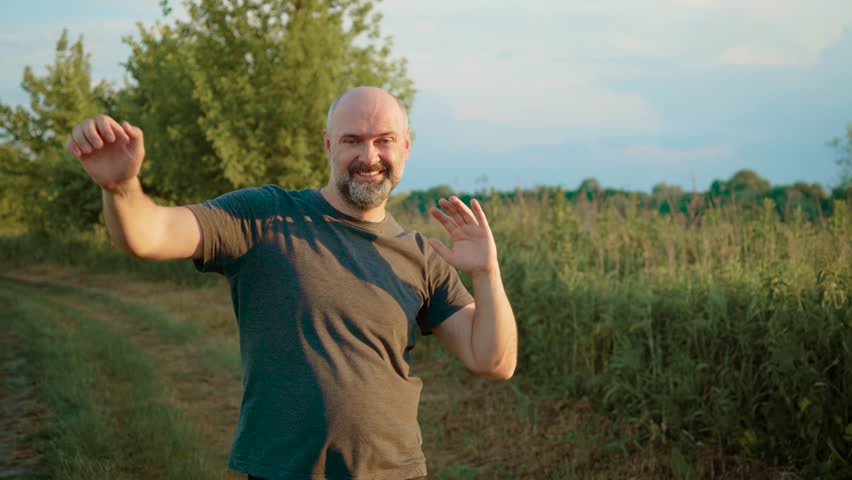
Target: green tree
x,y
237,95
43,187
181,165
590,187
16,175
748,181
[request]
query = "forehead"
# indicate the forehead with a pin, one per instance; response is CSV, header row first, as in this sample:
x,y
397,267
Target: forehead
x,y
366,114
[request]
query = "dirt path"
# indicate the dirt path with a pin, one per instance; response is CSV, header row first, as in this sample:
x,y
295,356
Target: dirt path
x,y
21,414
185,365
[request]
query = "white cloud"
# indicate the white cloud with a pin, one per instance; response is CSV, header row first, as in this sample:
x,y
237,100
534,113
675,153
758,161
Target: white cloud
x,y
571,64
770,32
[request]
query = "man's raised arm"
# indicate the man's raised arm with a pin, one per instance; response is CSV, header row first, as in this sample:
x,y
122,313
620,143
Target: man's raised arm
x,y
483,335
112,155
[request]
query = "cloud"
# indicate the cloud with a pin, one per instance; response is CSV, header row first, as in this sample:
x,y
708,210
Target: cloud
x,y
770,32
582,66
677,155
762,56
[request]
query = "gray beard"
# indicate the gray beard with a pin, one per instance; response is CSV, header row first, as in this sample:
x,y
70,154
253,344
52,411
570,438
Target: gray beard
x,y
365,196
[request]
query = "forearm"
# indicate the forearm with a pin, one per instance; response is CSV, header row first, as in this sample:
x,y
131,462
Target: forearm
x,y
130,216
495,334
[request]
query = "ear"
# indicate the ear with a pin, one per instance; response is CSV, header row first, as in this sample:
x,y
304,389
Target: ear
x,y
408,140
326,143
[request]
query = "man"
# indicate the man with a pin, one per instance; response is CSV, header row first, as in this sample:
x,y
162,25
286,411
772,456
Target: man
x,y
327,289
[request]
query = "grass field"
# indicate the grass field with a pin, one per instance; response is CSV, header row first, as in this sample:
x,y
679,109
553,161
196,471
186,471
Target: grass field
x,y
141,380
652,346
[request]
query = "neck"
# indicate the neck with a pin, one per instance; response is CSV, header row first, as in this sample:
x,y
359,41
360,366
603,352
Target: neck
x,y
332,196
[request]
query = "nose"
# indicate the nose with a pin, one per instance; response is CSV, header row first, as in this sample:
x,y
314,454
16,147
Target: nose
x,y
370,153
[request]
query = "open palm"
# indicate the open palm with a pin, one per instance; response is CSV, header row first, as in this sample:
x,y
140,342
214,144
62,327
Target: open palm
x,y
473,248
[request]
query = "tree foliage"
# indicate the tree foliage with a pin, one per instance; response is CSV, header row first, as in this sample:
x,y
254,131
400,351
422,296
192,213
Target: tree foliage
x,y
181,165
237,95
234,96
43,187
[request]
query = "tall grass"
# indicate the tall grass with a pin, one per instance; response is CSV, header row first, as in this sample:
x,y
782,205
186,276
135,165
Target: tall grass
x,y
720,329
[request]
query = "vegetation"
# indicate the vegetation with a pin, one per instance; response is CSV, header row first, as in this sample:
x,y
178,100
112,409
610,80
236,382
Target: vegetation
x,y
686,334
39,184
723,328
726,332
234,96
112,417
744,191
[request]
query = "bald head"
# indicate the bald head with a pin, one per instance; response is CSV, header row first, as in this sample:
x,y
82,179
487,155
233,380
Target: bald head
x,y
367,142
366,100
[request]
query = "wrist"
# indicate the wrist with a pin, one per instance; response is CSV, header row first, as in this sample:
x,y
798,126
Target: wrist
x,y
124,187
491,272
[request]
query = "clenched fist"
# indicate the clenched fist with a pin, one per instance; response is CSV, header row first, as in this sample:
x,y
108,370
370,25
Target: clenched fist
x,y
111,153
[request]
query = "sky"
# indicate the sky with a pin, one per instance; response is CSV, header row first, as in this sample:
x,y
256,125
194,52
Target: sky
x,y
551,92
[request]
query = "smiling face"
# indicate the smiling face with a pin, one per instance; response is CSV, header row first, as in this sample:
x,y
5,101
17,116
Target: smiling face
x,y
367,142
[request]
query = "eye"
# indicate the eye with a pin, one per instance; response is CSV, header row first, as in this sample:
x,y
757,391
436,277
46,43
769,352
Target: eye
x,y
348,141
387,140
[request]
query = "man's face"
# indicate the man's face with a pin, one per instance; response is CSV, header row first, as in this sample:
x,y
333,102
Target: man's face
x,y
367,143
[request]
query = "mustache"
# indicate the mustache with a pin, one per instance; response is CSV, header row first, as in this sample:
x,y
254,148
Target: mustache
x,y
362,168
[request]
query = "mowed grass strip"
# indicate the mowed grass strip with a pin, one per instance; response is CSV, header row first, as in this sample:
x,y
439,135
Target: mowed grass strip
x,y
109,418
199,371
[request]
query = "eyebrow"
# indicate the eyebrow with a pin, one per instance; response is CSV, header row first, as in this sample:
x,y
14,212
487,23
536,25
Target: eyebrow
x,y
355,135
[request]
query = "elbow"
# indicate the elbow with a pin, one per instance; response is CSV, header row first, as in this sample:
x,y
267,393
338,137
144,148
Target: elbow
x,y
128,246
499,370
144,248
136,251
505,373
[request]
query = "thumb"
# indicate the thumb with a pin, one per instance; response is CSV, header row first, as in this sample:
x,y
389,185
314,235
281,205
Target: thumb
x,y
442,249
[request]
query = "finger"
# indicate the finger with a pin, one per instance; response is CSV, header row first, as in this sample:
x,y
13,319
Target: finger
x,y
104,128
80,139
119,132
451,211
135,133
442,249
464,211
449,224
72,148
479,212
90,130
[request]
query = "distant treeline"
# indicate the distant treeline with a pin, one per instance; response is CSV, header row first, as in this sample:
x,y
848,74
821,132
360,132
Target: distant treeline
x,y
745,191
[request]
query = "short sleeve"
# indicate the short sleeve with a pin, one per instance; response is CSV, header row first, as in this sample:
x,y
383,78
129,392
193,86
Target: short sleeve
x,y
231,224
447,294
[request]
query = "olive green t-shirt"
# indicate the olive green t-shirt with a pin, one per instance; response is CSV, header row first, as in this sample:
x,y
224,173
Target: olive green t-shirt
x,y
327,307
